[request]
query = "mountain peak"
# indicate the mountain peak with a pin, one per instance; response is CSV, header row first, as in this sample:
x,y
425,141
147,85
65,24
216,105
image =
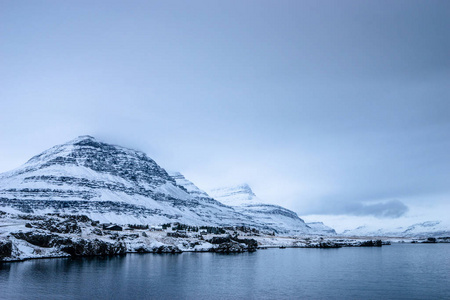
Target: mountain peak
x,y
240,189
85,137
87,153
81,138
245,189
233,194
87,140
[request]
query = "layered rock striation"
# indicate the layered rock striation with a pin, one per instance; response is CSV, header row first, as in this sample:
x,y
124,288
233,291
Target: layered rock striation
x,y
108,183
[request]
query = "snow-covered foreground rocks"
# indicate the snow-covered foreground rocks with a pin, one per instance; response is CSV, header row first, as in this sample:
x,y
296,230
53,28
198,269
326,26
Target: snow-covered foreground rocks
x,y
55,235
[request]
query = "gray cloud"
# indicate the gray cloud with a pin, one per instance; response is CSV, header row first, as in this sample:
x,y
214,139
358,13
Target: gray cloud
x,y
390,209
311,103
386,209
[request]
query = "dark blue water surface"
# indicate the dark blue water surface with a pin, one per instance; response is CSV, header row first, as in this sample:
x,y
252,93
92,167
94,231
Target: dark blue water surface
x,y
400,271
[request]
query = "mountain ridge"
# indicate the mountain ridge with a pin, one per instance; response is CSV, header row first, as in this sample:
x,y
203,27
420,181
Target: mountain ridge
x,y
115,184
421,229
101,179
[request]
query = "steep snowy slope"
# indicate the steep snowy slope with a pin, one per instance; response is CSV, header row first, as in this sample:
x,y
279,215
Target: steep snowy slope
x,y
107,183
188,185
283,220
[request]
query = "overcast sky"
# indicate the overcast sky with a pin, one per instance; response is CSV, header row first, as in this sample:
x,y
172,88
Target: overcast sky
x,y
330,108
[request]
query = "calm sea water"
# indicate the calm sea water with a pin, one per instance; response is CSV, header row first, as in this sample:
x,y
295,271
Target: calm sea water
x,y
401,271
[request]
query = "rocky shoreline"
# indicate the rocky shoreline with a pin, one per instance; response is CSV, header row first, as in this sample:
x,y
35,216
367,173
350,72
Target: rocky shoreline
x,y
54,235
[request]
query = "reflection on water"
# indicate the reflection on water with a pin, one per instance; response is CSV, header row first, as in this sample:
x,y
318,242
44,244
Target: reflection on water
x,y
397,271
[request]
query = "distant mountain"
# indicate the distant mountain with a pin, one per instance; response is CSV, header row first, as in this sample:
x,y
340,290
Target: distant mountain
x,y
321,229
108,183
283,220
424,229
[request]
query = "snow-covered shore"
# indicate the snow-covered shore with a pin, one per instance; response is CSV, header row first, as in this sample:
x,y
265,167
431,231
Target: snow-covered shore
x,y
25,237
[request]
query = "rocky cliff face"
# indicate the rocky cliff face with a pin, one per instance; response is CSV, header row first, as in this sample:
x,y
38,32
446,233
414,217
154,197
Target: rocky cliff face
x,y
108,183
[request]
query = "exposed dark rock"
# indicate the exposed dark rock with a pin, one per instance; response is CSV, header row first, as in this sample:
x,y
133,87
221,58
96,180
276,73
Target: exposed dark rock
x,y
142,249
228,244
220,240
377,243
37,238
160,249
5,249
328,244
252,244
176,234
430,240
78,218
53,225
230,247
82,247
166,249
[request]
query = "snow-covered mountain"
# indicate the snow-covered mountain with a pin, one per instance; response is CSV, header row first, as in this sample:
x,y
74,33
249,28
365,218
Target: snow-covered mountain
x,y
235,195
424,229
111,184
283,220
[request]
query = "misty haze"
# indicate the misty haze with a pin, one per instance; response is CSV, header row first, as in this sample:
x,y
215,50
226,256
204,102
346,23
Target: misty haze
x,y
309,138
